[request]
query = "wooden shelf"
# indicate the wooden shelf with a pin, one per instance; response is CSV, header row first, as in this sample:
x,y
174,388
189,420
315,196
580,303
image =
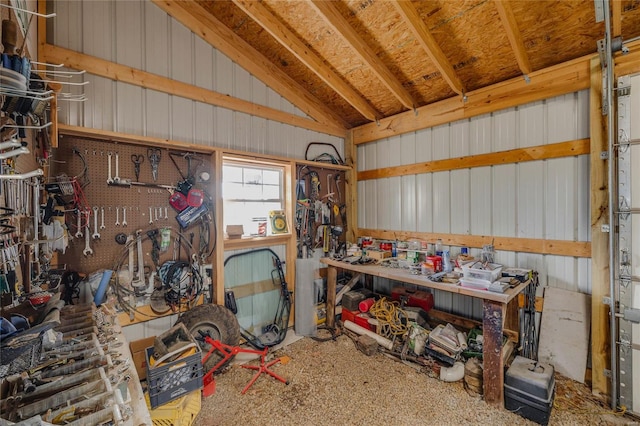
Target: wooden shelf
x,y
253,242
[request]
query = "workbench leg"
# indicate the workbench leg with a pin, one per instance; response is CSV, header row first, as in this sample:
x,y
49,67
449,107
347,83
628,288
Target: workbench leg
x,y
493,376
332,278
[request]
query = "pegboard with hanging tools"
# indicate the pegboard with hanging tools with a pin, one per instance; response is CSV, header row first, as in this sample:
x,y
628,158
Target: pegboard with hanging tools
x,y
321,211
142,211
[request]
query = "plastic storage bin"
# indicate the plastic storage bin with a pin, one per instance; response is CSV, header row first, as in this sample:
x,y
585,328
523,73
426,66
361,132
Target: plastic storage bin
x,y
476,270
181,412
173,379
529,389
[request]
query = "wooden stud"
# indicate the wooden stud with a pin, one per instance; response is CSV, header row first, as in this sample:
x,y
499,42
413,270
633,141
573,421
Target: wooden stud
x,y
539,303
351,187
220,243
117,72
262,16
332,277
493,376
526,245
616,18
567,77
629,63
214,32
600,331
340,25
422,34
536,153
513,34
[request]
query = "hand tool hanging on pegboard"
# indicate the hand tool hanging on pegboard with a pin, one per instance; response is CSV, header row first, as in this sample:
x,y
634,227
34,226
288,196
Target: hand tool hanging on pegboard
x,y
155,155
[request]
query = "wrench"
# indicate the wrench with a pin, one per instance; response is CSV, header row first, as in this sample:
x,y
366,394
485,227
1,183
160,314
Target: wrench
x,y
116,178
156,212
117,216
102,218
124,216
165,214
79,226
150,216
87,247
96,234
109,179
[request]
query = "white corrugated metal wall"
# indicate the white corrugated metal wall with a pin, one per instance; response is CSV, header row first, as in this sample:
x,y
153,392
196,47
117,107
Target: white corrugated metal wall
x,y
540,199
140,35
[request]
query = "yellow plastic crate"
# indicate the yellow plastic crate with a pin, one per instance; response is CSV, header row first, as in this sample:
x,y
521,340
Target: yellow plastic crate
x,y
179,412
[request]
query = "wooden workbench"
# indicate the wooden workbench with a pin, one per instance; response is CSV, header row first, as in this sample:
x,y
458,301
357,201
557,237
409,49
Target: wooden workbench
x,y
494,313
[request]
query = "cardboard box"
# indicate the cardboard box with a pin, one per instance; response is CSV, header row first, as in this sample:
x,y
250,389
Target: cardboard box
x,y
378,254
137,348
235,231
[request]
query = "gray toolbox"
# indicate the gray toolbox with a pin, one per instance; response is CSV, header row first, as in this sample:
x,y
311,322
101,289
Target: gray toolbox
x,y
529,389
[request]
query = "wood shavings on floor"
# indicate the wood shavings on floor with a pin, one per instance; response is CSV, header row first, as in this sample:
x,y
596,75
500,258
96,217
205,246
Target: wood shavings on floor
x,y
332,383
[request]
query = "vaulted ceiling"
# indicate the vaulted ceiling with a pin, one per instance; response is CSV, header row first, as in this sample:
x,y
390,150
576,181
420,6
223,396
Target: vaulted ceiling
x,y
358,61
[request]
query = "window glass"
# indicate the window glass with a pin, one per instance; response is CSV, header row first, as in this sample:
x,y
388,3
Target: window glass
x,y
250,191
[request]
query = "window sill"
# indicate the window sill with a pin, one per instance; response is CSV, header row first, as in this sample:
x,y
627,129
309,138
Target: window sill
x,y
251,242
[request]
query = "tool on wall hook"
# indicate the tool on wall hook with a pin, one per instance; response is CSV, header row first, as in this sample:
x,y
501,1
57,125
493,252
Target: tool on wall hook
x,y
137,159
155,155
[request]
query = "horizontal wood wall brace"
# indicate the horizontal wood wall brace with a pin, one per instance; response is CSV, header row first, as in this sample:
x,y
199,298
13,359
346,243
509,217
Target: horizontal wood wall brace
x,y
111,70
519,155
525,245
567,77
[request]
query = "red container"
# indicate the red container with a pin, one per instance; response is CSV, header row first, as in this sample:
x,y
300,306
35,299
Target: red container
x,y
385,246
419,298
348,315
366,304
434,262
363,321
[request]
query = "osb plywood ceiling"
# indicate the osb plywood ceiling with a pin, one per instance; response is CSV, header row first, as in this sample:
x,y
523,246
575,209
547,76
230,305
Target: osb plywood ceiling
x,y
370,59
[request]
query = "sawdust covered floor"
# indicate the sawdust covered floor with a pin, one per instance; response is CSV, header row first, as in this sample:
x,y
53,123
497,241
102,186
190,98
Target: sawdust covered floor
x,y
332,383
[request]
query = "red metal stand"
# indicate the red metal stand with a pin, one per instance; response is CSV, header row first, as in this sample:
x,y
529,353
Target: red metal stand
x,y
229,352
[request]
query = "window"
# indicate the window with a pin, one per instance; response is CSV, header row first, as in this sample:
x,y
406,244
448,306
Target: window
x,y
251,190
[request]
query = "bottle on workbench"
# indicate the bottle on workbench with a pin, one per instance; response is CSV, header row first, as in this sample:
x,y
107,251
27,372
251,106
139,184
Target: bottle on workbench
x,y
438,247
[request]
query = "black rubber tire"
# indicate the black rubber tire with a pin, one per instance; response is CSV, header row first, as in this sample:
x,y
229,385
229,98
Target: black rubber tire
x,y
216,320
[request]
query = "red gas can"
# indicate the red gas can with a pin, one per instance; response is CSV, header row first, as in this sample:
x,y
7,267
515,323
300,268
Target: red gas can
x,y
419,298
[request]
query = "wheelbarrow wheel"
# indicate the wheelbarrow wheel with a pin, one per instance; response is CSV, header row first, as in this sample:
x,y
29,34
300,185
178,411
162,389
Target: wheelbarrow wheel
x,y
215,321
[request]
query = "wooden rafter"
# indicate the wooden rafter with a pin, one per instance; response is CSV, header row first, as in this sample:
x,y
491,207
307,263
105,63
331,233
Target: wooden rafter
x,y
117,72
422,34
333,18
559,79
513,34
214,32
263,17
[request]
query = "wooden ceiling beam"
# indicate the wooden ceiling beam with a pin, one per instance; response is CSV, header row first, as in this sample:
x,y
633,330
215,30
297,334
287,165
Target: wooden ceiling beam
x,y
103,68
513,34
263,17
214,32
341,26
422,34
557,80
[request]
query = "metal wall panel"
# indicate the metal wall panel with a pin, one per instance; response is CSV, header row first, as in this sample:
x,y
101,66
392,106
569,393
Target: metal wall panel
x,y
140,35
504,129
503,215
562,118
481,201
537,199
480,135
530,200
531,125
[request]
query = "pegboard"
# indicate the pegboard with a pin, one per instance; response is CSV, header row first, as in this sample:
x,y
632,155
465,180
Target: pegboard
x,y
137,200
331,193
